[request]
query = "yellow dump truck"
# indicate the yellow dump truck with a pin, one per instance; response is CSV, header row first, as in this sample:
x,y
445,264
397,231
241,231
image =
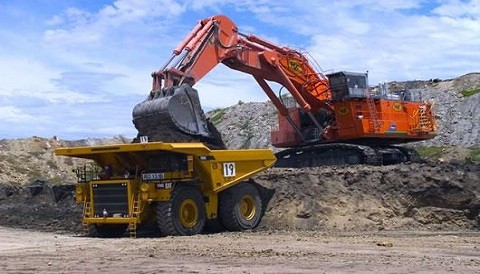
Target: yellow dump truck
x,y
180,186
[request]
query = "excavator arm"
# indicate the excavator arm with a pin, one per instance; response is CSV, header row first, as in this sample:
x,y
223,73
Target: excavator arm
x,y
217,40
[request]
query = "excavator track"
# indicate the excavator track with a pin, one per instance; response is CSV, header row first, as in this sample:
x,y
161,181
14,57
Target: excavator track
x,y
343,154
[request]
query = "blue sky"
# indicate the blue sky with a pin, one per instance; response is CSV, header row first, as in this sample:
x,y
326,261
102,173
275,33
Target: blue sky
x,y
75,69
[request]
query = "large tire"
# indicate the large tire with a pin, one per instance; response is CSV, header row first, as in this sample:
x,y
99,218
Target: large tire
x,y
107,231
241,207
184,214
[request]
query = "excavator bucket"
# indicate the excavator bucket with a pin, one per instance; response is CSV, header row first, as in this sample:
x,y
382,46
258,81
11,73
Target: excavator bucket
x,y
175,115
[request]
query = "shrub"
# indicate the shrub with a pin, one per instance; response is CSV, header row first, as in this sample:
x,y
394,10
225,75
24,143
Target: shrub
x,y
474,156
217,115
432,152
470,91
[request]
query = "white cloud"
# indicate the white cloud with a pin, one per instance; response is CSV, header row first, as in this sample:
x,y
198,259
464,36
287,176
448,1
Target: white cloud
x,y
11,114
457,8
393,44
54,21
84,27
13,78
66,37
386,5
31,79
225,87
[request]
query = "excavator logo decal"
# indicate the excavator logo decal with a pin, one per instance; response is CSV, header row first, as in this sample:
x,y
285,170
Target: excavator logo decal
x,y
343,111
397,106
295,66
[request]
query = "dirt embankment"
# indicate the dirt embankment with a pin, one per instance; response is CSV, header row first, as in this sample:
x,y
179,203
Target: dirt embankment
x,y
356,198
360,198
40,206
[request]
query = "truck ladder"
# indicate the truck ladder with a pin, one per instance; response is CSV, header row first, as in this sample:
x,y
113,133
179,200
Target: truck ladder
x,y
86,214
132,226
373,122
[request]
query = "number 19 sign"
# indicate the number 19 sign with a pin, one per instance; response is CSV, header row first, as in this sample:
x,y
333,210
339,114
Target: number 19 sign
x,y
229,169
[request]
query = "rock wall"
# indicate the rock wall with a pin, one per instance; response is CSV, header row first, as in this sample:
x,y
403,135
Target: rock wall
x,y
458,116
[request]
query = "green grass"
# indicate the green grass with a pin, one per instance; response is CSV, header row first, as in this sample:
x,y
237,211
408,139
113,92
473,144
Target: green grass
x,y
474,155
217,115
430,152
470,91
463,155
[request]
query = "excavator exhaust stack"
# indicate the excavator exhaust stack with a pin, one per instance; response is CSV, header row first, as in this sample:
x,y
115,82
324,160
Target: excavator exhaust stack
x,y
175,115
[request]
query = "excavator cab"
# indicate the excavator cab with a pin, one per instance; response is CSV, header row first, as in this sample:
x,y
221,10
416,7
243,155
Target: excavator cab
x,y
346,85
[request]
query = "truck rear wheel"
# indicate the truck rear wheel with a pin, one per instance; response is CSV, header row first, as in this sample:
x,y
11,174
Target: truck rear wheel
x,y
184,214
241,207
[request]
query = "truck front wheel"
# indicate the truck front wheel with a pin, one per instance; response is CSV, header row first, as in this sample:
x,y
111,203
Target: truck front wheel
x,y
184,214
241,207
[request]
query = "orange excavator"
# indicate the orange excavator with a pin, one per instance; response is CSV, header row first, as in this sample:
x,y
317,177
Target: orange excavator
x,y
325,119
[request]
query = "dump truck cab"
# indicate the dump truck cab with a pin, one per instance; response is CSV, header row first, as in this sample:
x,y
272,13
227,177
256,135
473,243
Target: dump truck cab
x,y
180,186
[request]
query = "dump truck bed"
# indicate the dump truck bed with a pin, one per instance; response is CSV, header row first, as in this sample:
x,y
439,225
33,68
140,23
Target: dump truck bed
x,y
217,168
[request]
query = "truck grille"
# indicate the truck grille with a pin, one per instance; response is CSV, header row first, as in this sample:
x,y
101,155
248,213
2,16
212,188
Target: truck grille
x,y
110,198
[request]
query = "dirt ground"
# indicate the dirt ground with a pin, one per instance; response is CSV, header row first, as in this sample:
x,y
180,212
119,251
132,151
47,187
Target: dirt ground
x,y
409,218
263,251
